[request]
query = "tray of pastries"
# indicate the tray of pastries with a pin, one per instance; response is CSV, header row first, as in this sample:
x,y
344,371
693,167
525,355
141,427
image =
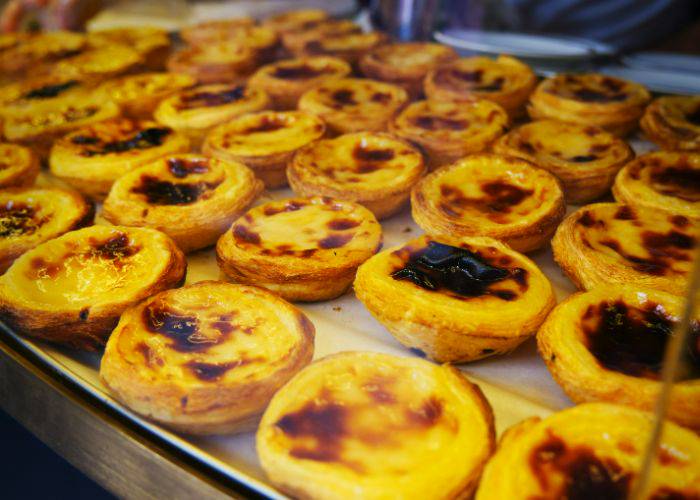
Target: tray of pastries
x,y
328,265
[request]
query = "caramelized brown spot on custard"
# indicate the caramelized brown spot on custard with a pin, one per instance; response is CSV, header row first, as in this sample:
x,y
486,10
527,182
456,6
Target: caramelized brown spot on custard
x,y
160,192
427,414
681,181
243,234
299,72
267,124
290,206
500,198
582,158
625,213
211,372
19,219
48,91
210,99
344,97
381,98
632,340
335,241
592,95
147,138
666,493
440,267
181,167
342,224
182,329
429,122
585,476
679,221
114,248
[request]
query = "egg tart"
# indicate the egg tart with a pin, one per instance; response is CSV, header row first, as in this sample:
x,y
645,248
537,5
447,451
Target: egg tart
x,y
353,104
371,425
487,195
591,451
139,95
21,95
40,124
614,243
91,158
29,217
214,30
196,111
214,63
262,41
294,40
301,249
673,122
285,81
446,131
293,20
349,46
206,358
505,81
663,181
24,53
376,170
191,198
455,299
19,167
72,289
590,99
608,344
264,141
405,64
152,44
584,158
99,63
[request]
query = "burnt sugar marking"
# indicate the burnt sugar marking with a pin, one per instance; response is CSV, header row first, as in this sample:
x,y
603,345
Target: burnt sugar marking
x,y
499,200
583,474
266,124
299,72
342,224
290,206
48,91
144,139
583,158
625,212
680,181
160,192
426,415
369,159
114,248
632,340
210,99
19,219
381,98
182,167
344,97
212,372
244,234
432,122
440,267
335,241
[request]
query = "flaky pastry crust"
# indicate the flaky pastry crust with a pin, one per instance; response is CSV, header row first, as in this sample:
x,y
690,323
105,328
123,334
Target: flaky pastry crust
x,y
25,52
353,104
294,20
31,216
590,99
374,169
590,451
302,249
72,289
405,64
455,325
607,243
665,180
215,63
191,198
195,112
19,166
286,80
370,425
608,344
506,81
503,197
206,358
264,141
139,95
673,122
447,131
91,158
152,44
584,158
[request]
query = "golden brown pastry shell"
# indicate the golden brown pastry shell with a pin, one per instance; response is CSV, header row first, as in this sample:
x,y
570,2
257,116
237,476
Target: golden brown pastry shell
x,y
448,327
662,180
525,226
179,389
85,322
442,455
562,345
19,167
590,99
584,158
667,122
152,44
614,243
318,245
223,191
447,131
215,63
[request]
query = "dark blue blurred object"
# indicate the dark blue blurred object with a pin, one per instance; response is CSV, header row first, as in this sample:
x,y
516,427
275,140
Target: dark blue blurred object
x,y
29,469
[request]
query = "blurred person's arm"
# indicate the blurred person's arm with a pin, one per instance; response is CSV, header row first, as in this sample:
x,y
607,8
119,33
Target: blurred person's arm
x,y
48,14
